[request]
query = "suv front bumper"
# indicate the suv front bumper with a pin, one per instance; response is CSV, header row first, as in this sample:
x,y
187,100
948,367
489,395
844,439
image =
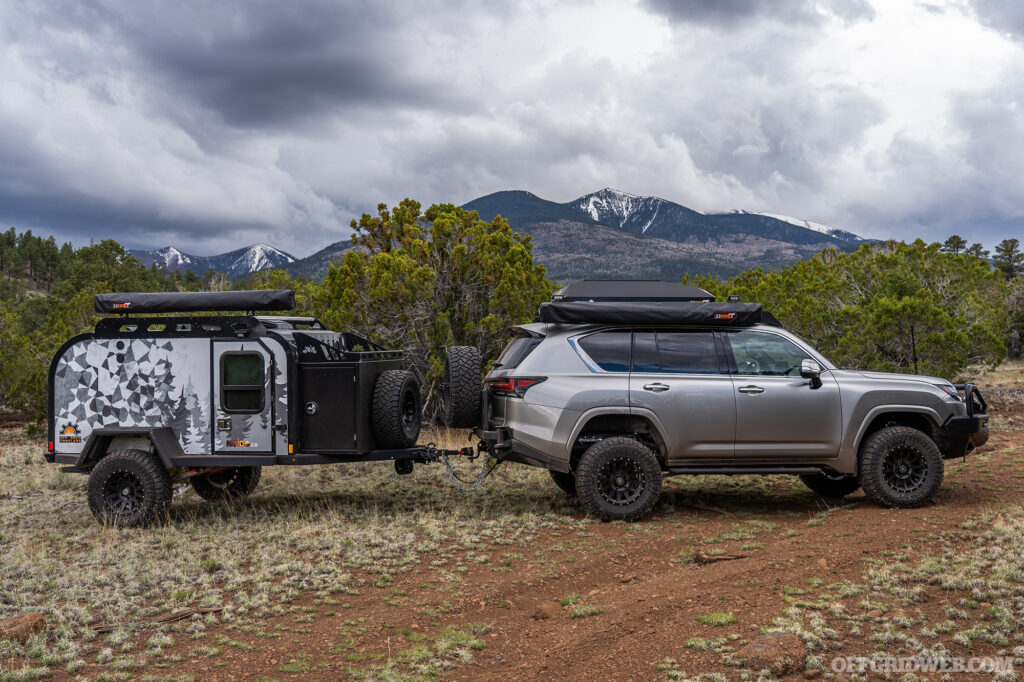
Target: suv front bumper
x,y
971,430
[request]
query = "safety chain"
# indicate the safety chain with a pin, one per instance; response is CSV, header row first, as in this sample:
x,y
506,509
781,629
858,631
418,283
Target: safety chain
x,y
461,484
467,486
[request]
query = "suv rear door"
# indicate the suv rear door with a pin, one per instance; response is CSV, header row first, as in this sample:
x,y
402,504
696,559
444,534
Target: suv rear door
x,y
682,377
778,414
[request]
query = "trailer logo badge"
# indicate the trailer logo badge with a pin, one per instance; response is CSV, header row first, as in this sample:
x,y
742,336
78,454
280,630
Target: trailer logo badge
x,y
241,444
70,435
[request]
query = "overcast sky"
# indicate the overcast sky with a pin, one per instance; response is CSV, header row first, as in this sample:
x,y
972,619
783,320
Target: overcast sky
x,y
211,125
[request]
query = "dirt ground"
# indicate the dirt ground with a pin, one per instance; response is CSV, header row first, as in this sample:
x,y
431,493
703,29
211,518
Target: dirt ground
x,y
351,572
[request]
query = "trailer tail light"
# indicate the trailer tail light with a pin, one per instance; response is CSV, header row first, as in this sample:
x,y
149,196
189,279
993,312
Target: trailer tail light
x,y
49,446
513,386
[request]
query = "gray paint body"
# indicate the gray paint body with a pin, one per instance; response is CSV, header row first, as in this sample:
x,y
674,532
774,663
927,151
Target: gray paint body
x,y
704,419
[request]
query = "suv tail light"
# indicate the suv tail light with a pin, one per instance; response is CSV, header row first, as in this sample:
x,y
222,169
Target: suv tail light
x,y
513,386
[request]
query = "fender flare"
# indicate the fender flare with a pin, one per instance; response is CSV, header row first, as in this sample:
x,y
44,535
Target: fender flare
x,y
874,412
165,444
645,414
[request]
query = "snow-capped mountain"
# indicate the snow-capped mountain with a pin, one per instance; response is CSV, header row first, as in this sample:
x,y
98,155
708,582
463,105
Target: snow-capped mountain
x,y
833,232
235,263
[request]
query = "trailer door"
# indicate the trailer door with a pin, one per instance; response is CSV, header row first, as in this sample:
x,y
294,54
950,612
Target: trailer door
x,y
243,404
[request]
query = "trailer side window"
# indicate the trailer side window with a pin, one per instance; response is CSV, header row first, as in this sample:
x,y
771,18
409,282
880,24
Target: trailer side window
x,y
241,382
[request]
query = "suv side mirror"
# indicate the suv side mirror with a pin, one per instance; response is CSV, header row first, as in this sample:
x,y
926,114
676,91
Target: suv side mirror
x,y
809,369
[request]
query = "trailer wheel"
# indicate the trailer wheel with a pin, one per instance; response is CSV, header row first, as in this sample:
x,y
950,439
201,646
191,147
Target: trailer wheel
x,y
128,489
397,409
227,484
461,390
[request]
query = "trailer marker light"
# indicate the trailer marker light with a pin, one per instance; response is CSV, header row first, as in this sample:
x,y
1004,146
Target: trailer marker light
x,y
50,446
291,449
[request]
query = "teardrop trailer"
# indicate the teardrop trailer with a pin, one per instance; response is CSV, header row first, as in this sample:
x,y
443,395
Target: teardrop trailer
x,y
144,401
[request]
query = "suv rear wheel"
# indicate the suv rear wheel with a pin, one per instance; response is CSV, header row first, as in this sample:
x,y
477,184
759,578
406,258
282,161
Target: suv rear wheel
x,y
833,486
618,479
900,467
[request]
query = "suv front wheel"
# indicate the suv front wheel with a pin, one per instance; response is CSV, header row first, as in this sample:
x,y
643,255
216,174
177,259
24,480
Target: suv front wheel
x,y
900,467
618,479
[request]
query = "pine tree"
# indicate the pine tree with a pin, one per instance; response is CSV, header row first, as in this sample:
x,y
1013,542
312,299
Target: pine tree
x,y
954,245
1008,258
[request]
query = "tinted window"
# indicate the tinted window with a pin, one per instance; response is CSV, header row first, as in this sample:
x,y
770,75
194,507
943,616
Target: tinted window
x,y
645,352
242,382
610,350
765,354
688,352
516,351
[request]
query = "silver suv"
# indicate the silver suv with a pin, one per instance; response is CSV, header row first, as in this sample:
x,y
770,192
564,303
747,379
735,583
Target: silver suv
x,y
609,408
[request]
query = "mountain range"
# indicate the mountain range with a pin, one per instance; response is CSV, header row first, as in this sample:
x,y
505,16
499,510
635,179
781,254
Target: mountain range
x,y
606,234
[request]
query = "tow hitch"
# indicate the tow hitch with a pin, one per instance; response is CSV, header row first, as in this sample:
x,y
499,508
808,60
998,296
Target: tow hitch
x,y
490,463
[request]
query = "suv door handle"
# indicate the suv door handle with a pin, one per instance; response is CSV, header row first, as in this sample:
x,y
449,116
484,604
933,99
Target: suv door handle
x,y
750,389
657,388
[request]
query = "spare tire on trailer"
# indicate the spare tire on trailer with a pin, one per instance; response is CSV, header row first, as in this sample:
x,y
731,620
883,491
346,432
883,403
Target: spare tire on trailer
x,y
397,409
461,388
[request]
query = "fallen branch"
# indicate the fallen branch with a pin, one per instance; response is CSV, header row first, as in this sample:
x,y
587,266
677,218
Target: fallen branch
x,y
701,559
166,618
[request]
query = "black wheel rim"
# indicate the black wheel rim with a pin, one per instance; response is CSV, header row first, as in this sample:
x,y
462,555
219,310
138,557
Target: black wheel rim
x,y
621,481
904,469
224,480
409,416
123,494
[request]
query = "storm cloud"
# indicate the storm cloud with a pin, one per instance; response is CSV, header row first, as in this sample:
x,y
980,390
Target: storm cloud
x,y
210,125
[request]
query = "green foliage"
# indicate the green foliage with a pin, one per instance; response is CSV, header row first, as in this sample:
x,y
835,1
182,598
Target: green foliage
x,y
954,245
1008,259
425,280
865,309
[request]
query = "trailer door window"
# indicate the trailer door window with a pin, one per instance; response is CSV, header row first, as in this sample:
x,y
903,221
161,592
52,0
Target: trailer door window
x,y
241,382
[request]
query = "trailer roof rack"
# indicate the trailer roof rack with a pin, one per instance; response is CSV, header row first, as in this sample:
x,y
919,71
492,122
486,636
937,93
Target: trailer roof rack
x,y
190,302
607,290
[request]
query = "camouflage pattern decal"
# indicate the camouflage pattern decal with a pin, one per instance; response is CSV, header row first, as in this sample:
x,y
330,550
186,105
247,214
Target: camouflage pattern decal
x,y
133,382
280,395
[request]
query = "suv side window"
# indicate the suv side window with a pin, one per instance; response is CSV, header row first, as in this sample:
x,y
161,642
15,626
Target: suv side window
x,y
610,349
687,352
764,354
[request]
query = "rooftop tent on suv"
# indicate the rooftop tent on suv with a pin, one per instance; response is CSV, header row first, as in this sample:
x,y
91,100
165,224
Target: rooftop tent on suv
x,y
629,290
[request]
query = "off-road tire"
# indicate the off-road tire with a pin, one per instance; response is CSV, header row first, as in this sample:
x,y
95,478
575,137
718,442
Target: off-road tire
x,y
397,409
461,388
566,482
833,487
887,483
618,479
229,484
129,489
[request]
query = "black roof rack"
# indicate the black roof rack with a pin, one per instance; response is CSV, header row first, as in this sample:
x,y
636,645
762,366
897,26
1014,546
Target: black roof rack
x,y
630,290
190,302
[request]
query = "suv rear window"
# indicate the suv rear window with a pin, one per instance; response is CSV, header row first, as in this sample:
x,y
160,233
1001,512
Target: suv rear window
x,y
517,350
611,350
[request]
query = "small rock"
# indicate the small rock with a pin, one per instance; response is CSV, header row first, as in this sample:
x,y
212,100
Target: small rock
x,y
812,674
876,613
547,609
822,563
22,626
629,578
780,652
